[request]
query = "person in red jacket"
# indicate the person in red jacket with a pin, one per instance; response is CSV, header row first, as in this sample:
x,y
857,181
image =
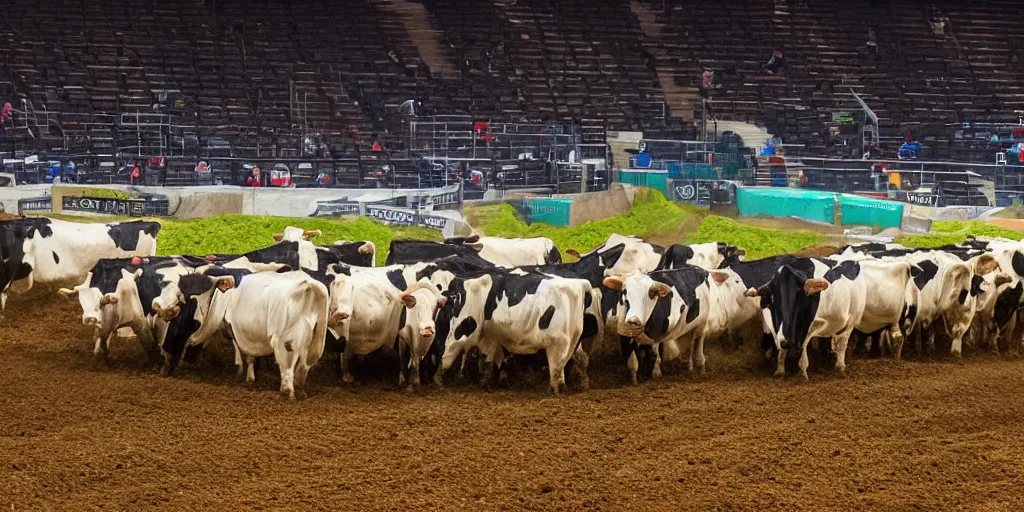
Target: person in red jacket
x,y
135,174
254,180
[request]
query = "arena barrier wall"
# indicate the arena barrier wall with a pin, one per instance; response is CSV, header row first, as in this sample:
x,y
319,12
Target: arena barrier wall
x,y
819,206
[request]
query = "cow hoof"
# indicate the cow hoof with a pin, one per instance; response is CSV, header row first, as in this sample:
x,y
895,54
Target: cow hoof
x,y
585,384
780,373
410,389
287,395
633,378
656,374
804,376
301,394
348,378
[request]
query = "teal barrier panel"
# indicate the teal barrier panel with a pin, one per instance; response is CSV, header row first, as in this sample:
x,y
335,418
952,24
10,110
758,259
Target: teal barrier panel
x,y
869,211
550,211
813,205
655,180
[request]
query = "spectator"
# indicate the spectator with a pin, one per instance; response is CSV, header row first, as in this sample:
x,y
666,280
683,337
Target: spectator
x,y
135,174
872,43
377,146
6,119
254,180
707,82
775,63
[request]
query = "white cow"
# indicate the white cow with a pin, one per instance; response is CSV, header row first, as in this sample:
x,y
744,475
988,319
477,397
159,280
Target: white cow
x,y
284,314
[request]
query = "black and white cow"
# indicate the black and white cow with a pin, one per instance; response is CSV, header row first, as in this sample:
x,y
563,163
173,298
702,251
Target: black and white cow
x,y
54,251
268,313
667,307
800,307
497,311
120,293
711,255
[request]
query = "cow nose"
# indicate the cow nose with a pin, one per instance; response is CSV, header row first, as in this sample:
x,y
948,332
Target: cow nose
x,y
337,317
427,331
634,321
91,321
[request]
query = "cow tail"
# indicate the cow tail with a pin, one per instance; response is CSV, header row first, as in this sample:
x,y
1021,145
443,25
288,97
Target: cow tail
x,y
317,300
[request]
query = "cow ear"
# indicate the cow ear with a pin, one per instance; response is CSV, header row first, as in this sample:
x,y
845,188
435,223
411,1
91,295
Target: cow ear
x,y
614,283
985,265
477,245
752,292
67,293
659,290
814,286
408,299
310,233
442,301
719,277
366,248
224,283
278,237
573,252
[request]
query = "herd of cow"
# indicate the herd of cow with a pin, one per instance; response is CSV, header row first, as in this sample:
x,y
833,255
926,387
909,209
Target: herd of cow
x,y
498,299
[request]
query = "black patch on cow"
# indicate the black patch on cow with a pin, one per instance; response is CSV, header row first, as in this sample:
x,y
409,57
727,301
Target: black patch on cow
x,y
545,319
416,251
976,285
693,311
465,328
758,273
1007,304
612,255
1017,262
345,252
962,298
928,271
676,256
126,234
847,269
56,259
553,257
397,279
791,307
590,326
588,300
401,318
281,252
511,287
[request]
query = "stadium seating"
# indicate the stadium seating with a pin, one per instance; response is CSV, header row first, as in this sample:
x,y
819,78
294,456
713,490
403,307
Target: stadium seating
x,y
122,77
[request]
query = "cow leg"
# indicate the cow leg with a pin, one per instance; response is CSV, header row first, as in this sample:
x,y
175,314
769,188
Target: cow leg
x,y
839,344
556,365
239,364
403,362
780,365
896,344
346,365
633,365
301,372
581,363
656,368
699,352
250,370
804,363
286,360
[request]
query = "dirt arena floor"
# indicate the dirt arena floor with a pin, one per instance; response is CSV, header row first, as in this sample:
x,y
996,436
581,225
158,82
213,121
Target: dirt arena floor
x,y
925,434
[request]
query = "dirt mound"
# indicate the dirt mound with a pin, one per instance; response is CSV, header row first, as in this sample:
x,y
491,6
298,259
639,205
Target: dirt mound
x,y
1014,224
926,434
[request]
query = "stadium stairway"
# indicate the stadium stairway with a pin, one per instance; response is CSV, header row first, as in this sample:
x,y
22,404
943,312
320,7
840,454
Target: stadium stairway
x,y
428,40
682,101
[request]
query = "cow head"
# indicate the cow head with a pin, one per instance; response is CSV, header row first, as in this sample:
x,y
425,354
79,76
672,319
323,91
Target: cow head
x,y
792,298
211,305
97,306
422,300
640,293
468,298
342,292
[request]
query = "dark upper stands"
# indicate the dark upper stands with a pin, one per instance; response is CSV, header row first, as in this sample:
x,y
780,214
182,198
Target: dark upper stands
x,y
263,74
